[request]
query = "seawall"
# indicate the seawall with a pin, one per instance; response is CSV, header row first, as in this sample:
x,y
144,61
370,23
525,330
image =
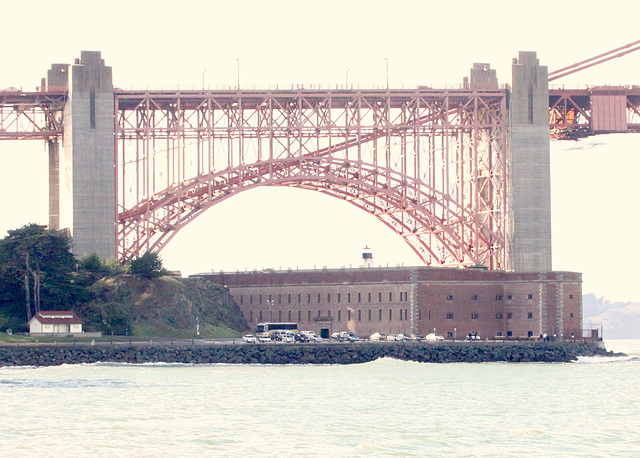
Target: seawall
x,y
53,355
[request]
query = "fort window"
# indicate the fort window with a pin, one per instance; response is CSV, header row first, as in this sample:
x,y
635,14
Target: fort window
x,y
369,297
509,297
348,297
499,333
509,316
419,315
406,314
318,298
390,315
400,314
309,316
339,316
380,315
279,315
530,296
339,298
450,297
509,333
390,296
359,315
449,316
309,299
571,315
449,334
369,314
328,298
299,316
318,313
529,333
348,315
241,300
289,299
474,316
474,297
251,299
498,315
260,315
260,299
299,298
570,296
498,297
279,298
329,313
359,297
406,296
289,316
530,315
251,315
379,297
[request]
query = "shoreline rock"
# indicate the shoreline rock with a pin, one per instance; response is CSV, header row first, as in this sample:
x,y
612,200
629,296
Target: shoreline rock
x,y
322,354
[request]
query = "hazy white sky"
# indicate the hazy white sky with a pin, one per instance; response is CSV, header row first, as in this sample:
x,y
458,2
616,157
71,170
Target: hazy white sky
x,y
163,44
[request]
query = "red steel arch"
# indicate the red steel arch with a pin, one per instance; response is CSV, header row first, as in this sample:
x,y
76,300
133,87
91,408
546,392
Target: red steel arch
x,y
430,164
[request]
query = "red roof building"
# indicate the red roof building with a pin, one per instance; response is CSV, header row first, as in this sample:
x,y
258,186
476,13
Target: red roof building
x,y
55,322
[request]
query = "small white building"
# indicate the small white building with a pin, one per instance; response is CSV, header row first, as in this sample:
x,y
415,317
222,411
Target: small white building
x,y
54,322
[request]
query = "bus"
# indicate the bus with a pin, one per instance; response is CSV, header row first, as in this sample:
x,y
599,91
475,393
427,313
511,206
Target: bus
x,y
267,327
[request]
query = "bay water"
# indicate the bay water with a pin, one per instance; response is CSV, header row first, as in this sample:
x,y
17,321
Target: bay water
x,y
383,408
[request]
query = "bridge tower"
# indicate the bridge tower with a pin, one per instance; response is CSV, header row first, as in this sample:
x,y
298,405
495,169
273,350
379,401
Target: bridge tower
x,y
529,235
82,173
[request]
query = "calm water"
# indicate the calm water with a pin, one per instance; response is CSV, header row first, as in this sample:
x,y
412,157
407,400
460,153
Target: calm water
x,y
383,408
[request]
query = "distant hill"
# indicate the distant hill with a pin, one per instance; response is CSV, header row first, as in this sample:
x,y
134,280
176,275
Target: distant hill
x,y
620,320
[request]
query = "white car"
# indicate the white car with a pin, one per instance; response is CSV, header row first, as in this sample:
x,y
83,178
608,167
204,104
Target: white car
x,y
287,338
433,337
249,338
377,337
393,338
312,336
264,338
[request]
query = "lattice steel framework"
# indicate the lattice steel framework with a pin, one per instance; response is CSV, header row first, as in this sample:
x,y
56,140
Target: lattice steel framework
x,y
430,164
571,111
31,115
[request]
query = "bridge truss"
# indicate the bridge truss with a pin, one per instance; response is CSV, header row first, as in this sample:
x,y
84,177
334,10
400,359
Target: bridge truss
x,y
430,164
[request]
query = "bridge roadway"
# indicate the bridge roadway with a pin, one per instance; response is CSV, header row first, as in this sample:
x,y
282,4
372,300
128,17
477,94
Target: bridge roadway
x,y
39,115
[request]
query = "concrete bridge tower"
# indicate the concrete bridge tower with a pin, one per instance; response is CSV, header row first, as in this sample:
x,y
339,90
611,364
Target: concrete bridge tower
x,y
529,241
84,200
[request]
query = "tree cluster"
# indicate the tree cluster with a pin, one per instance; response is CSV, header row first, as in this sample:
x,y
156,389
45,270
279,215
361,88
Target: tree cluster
x,y
39,272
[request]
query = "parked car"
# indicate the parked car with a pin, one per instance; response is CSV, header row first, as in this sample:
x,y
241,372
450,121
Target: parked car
x,y
404,337
312,336
473,336
345,336
249,338
302,338
264,338
287,338
377,337
433,337
393,338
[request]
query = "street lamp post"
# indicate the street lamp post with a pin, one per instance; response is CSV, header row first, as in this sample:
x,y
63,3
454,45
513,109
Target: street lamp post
x,y
387,65
270,303
238,62
455,334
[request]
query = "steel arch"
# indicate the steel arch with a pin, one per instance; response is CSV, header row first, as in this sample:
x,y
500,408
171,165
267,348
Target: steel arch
x,y
431,165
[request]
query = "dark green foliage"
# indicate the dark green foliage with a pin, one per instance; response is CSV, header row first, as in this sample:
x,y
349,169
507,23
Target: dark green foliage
x,y
39,272
149,265
42,258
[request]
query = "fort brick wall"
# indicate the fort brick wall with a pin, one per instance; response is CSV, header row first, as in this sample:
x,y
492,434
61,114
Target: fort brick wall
x,y
413,300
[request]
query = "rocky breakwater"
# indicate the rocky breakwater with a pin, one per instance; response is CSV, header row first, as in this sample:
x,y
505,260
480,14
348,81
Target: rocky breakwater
x,y
323,353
